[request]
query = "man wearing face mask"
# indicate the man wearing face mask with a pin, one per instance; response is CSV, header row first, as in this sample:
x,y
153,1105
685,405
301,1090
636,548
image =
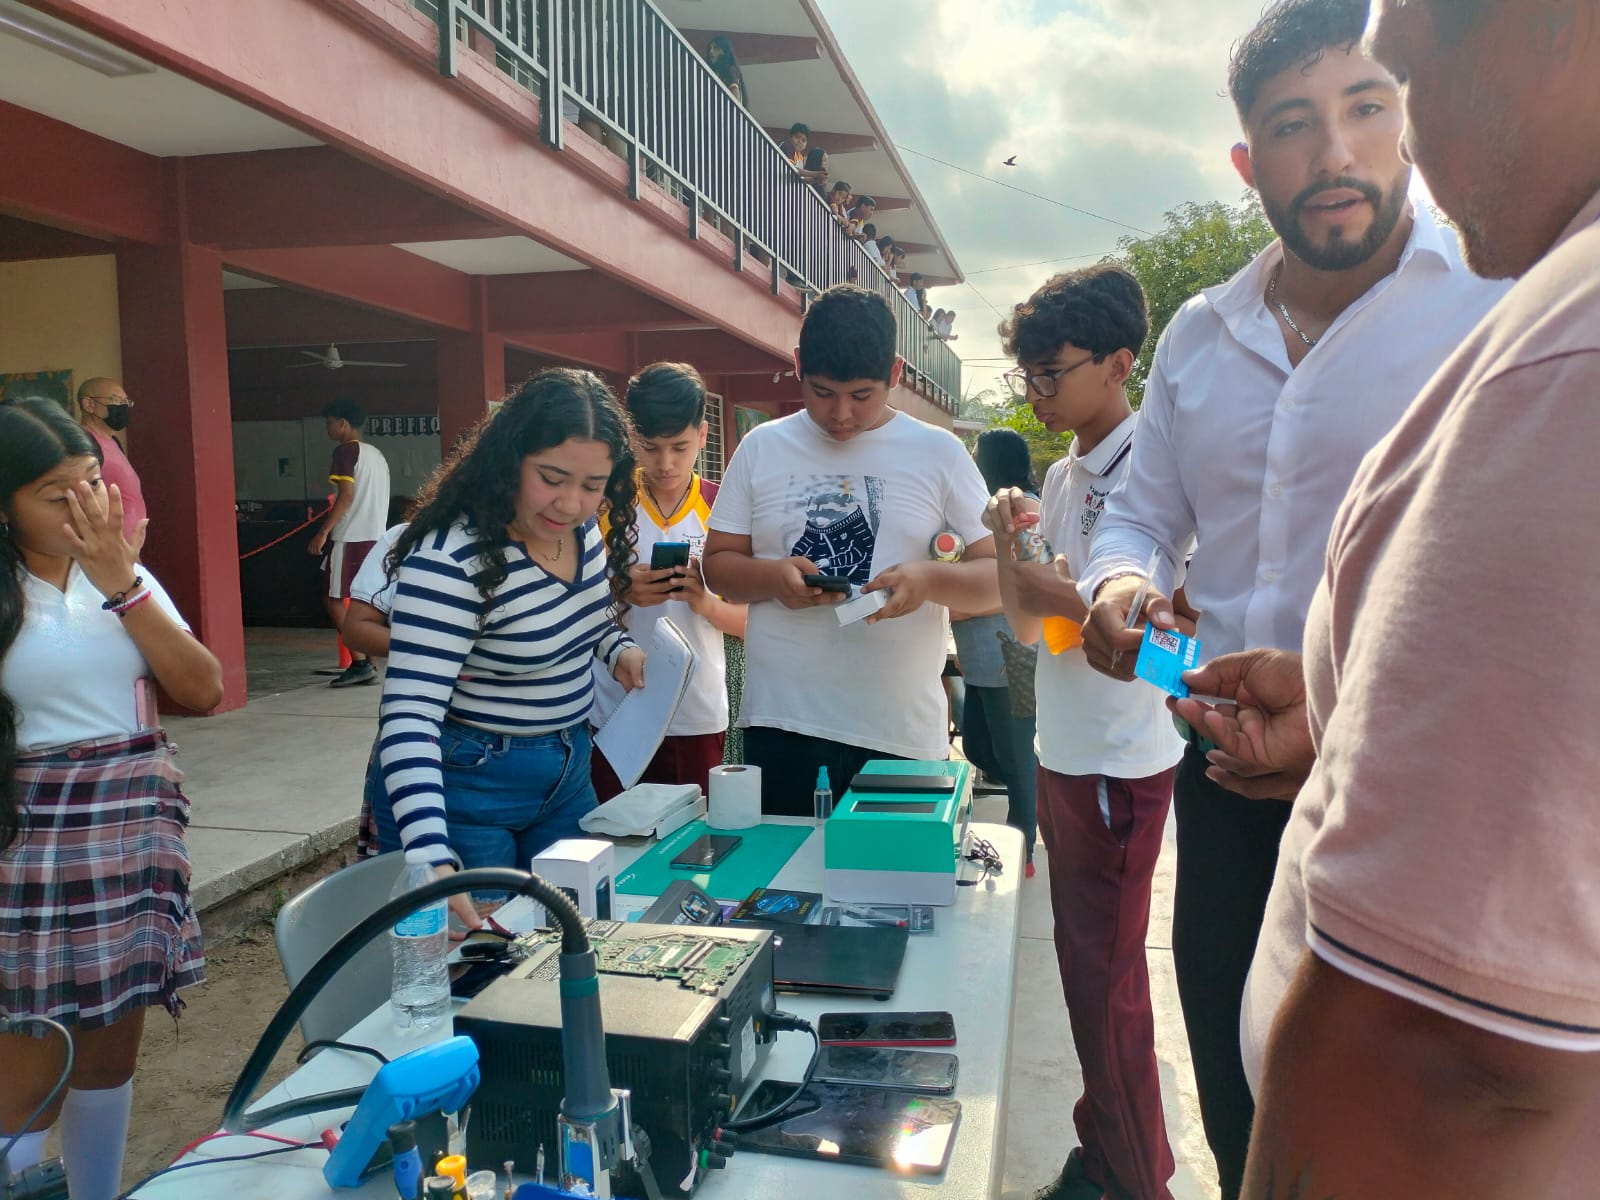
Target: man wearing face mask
x,y
103,410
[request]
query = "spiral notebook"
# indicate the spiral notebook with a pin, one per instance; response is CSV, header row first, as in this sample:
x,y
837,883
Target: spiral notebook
x,y
631,733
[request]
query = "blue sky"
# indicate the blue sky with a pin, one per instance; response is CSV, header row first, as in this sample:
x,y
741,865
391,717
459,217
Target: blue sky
x,y
1113,106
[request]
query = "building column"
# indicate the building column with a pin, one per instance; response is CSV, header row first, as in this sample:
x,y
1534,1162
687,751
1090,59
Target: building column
x,y
175,366
471,371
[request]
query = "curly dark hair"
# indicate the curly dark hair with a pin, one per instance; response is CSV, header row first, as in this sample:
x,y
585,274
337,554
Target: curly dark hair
x,y
1292,33
1100,309
481,477
848,334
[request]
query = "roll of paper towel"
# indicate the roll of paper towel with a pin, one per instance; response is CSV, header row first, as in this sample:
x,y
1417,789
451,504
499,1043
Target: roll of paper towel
x,y
734,797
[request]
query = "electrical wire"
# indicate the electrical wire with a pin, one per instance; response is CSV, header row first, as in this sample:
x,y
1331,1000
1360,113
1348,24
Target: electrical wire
x,y
1043,262
1036,195
9,1022
288,1148
780,1111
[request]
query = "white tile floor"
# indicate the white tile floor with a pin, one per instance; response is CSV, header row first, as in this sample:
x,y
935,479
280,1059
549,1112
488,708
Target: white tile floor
x,y
1045,1080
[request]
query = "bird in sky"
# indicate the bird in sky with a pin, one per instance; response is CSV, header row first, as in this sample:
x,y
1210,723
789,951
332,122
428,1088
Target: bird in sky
x,y
1012,161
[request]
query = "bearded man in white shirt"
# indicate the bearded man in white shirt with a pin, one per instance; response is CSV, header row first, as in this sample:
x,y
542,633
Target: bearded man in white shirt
x,y
1265,395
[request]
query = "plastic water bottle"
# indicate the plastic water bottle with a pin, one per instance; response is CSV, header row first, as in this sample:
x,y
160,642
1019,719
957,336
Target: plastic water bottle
x,y
420,991
822,798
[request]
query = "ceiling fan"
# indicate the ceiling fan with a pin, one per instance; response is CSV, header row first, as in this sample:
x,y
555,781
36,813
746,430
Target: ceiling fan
x,y
331,359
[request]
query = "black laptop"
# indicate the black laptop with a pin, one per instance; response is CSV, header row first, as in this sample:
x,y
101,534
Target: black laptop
x,y
837,960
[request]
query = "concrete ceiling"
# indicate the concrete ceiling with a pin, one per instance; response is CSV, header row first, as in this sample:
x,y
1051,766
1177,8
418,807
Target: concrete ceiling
x,y
741,16
232,281
155,111
494,256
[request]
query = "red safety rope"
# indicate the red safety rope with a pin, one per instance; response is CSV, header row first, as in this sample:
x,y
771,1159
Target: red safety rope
x,y
287,536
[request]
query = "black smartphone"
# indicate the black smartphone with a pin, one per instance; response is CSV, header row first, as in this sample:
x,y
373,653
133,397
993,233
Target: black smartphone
x,y
669,554
872,783
706,852
829,583
930,1071
901,1131
887,1029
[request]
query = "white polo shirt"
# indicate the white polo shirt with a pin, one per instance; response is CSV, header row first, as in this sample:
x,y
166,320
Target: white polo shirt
x,y
1089,723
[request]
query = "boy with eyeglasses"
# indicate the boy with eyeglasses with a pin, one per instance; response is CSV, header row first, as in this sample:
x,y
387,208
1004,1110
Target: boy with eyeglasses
x,y
1107,753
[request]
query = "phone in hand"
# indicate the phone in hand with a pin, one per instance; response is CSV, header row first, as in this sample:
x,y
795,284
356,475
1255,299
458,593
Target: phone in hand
x,y
887,1029
706,852
829,583
669,554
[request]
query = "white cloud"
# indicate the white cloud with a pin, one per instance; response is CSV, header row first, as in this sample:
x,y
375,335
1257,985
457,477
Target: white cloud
x,y
1115,106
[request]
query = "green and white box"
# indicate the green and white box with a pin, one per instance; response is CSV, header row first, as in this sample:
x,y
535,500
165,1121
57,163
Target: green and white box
x,y
898,847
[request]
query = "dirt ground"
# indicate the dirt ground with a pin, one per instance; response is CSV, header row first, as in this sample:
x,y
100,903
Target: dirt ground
x,y
186,1071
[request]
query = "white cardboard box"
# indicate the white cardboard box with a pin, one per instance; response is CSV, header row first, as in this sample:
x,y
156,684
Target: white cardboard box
x,y
583,868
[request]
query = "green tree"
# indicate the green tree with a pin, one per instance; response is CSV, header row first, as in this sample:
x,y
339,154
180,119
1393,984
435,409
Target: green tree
x,y
1044,447
1201,246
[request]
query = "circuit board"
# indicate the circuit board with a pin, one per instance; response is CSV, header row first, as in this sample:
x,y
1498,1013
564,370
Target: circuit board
x,y
701,961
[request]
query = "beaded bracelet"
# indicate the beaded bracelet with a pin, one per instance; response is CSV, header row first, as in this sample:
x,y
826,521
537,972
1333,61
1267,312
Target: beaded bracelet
x,y
114,602
129,606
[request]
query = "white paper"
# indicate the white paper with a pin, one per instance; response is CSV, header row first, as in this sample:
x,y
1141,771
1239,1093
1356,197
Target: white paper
x,y
632,733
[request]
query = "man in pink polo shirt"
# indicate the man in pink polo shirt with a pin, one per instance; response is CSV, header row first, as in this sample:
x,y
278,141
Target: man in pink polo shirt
x,y
1422,1018
103,410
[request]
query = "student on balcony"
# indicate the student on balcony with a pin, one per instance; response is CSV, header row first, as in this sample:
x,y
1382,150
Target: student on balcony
x,y
725,66
841,199
857,224
815,172
794,147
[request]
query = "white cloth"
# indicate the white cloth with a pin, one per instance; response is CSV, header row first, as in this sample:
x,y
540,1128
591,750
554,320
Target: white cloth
x,y
637,811
73,670
856,509
368,514
704,708
1253,457
1089,723
373,584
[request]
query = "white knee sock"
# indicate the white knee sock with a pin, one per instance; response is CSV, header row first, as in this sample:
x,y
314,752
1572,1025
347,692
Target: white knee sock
x,y
28,1152
94,1134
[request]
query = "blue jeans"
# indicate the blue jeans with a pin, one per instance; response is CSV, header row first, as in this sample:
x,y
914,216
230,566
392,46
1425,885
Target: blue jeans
x,y
506,798
1001,745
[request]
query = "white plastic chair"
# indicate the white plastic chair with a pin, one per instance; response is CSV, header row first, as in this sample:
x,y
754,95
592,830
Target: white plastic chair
x,y
317,918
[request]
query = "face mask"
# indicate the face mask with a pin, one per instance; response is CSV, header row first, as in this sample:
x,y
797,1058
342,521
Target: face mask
x,y
116,417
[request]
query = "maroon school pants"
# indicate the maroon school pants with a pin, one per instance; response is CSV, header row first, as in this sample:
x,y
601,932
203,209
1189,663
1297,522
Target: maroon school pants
x,y
684,759
1103,836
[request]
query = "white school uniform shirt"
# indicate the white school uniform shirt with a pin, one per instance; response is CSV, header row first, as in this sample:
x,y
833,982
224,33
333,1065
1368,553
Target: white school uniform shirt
x,y
704,708
1252,457
373,584
1089,723
856,509
364,467
73,668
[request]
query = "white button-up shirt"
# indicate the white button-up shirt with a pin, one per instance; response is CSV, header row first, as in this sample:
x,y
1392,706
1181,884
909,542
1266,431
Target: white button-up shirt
x,y
1251,457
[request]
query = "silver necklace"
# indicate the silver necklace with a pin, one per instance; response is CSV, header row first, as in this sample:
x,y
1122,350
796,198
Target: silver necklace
x,y
1272,297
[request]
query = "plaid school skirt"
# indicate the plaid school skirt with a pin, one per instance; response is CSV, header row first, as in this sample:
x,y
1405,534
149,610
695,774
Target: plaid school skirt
x,y
95,915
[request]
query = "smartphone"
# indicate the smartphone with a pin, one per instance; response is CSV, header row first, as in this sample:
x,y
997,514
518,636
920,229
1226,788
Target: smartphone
x,y
706,852
669,554
829,583
887,1029
902,1131
929,1071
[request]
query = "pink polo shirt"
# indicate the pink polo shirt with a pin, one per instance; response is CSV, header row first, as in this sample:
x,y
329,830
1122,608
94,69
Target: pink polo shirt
x,y
1447,846
118,470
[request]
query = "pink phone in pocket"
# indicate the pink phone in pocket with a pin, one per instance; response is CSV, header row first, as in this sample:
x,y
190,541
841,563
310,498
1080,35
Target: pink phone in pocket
x,y
144,703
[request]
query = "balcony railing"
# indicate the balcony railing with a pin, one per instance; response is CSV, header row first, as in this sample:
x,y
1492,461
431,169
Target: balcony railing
x,y
623,65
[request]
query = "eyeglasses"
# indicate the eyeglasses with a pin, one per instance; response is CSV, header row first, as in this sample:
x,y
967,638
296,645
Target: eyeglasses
x,y
111,400
1044,383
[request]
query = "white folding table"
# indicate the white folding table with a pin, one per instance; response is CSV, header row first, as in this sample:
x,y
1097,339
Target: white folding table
x,y
967,967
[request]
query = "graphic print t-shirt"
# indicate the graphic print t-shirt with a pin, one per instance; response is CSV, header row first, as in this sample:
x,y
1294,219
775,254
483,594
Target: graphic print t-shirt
x,y
855,509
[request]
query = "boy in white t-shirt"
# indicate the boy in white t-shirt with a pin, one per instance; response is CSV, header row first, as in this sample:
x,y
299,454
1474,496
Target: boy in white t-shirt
x,y
849,487
667,402
1107,751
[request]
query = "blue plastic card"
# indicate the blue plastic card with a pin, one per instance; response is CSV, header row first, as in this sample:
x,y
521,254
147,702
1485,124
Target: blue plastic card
x,y
1164,657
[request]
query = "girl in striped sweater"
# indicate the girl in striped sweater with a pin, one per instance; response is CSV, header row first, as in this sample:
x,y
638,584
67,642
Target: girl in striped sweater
x,y
506,589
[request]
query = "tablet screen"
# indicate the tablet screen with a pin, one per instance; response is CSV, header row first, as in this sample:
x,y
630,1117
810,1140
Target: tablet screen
x,y
871,1126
